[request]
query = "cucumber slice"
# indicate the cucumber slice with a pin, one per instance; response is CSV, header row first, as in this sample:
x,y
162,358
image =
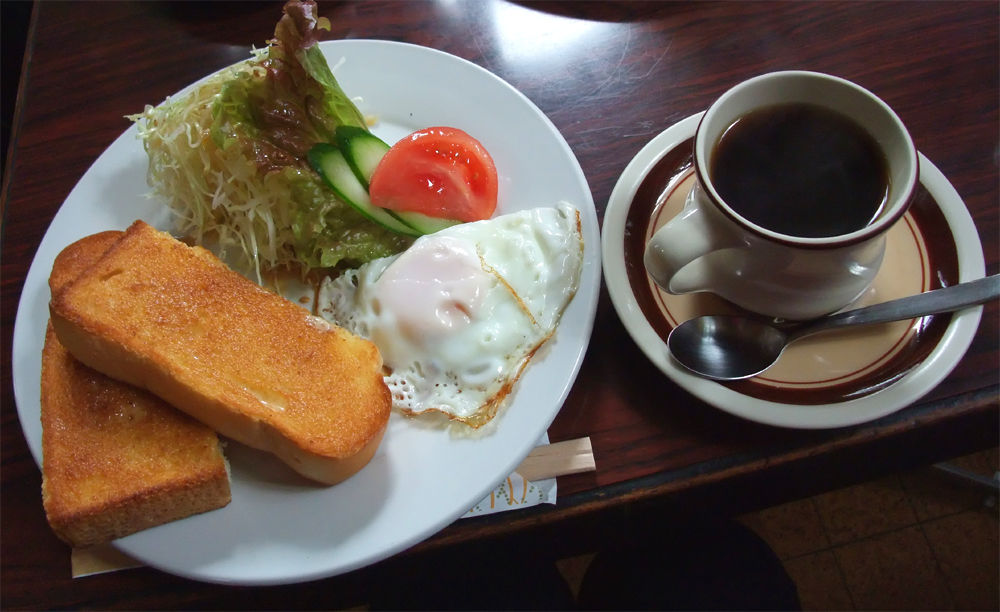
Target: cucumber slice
x,y
422,223
331,164
362,149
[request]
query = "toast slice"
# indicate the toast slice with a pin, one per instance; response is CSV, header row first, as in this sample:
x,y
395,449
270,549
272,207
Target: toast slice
x,y
252,365
115,459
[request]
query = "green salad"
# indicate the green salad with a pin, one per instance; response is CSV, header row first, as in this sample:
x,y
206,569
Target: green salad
x,y
230,158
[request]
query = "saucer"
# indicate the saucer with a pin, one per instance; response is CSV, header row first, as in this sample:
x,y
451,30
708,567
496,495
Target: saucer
x,y
832,379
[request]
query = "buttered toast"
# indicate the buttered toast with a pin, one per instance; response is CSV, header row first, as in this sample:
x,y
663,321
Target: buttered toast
x,y
115,459
255,367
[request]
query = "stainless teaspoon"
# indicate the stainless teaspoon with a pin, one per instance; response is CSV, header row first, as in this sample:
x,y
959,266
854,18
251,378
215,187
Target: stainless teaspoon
x,y
733,347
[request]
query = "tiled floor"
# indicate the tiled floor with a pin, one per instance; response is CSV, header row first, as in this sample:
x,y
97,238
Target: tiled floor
x,y
921,540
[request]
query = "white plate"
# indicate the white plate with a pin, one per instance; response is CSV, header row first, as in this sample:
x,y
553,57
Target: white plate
x,y
277,530
897,394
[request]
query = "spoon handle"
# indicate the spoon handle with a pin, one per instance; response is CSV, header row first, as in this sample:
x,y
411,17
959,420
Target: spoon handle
x,y
946,299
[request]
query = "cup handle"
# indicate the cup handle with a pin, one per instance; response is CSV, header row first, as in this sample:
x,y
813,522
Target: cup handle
x,y
682,240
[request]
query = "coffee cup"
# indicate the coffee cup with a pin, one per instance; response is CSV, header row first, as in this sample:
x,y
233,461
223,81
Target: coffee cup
x,y
799,175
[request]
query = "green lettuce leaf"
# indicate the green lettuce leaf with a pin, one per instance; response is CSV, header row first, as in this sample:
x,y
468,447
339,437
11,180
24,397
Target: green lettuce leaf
x,y
288,100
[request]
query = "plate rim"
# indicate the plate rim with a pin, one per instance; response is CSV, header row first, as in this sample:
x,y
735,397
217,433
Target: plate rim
x,y
896,396
588,292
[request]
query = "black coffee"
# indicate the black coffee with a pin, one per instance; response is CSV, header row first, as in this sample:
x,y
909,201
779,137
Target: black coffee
x,y
801,170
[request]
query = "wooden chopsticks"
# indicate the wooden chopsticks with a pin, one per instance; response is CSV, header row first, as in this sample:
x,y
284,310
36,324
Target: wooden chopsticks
x,y
558,459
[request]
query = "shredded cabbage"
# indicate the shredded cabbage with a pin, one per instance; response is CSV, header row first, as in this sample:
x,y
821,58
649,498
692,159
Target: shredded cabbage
x,y
228,158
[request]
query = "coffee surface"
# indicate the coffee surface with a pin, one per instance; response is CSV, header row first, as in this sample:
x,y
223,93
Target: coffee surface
x,y
800,170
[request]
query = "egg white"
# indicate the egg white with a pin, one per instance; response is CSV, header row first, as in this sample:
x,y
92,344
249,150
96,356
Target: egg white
x,y
459,315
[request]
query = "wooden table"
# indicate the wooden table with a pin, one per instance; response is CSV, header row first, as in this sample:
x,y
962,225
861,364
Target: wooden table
x,y
610,76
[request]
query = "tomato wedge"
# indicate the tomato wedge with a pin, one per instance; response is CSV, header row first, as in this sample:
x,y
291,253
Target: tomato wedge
x,y
439,172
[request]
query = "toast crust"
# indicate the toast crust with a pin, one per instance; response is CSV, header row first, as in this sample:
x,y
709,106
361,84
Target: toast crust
x,y
115,459
252,365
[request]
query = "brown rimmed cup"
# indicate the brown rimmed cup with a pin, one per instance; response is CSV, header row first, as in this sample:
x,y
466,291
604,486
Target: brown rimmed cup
x,y
710,246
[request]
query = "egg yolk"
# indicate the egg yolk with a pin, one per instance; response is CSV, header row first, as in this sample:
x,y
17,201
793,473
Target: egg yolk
x,y
433,289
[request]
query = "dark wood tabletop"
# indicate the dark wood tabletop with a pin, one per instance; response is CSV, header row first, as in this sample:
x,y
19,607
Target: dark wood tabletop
x,y
610,76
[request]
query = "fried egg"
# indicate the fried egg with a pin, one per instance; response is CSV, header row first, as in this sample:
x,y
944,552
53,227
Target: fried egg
x,y
459,315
